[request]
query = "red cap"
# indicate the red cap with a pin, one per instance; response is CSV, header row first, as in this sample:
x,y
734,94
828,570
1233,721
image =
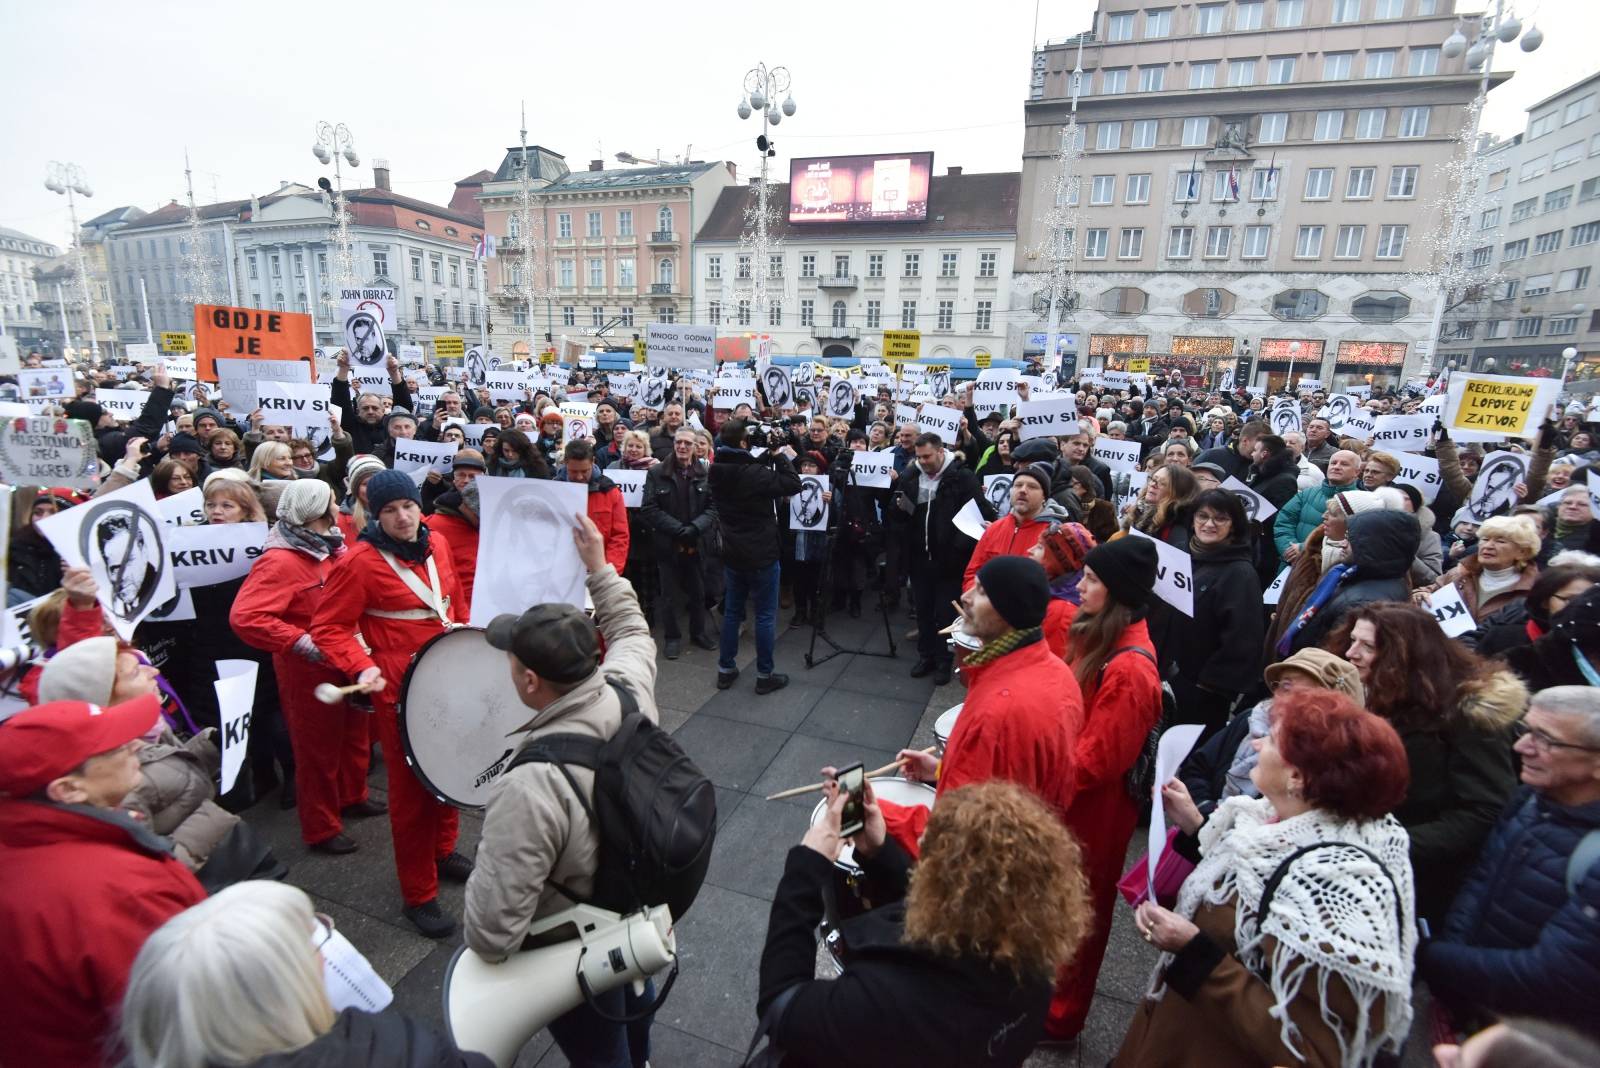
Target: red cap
x,y
39,745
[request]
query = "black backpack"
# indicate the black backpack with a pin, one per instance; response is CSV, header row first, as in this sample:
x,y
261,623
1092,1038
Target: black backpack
x,y
654,811
1140,778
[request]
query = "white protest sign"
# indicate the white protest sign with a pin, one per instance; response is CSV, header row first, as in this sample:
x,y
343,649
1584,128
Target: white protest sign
x,y
1337,411
1174,575
807,510
777,386
208,555
121,539
182,367
302,407
841,399
1119,455
905,413
1420,471
1360,392
995,395
1047,417
1309,385
1496,487
507,386
368,315
1274,592
1284,417
1451,611
937,419
682,345
998,489
236,698
40,451
872,469
474,432
371,380
186,509
970,520
239,379
732,392
413,454
411,355
1118,380
1359,425
631,483
1256,507
49,385
577,420
1489,407
143,351
123,404
525,550
1173,746
1402,433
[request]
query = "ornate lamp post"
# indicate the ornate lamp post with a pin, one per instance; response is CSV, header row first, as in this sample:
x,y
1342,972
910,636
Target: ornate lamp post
x,y
762,86
68,179
333,143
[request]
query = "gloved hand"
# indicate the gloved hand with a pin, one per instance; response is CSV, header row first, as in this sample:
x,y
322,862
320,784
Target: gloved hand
x,y
688,534
305,647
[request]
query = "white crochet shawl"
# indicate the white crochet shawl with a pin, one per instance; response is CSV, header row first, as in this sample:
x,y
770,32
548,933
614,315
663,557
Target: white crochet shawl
x,y
1333,914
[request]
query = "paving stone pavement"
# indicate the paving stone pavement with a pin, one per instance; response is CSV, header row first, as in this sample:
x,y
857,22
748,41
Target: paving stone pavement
x,y
853,707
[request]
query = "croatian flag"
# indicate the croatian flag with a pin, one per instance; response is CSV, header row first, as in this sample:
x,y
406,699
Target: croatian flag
x,y
1233,183
484,249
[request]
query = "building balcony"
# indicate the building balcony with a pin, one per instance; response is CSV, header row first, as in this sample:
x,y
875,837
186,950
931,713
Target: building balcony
x,y
836,333
564,242
625,240
664,237
836,281
661,289
594,242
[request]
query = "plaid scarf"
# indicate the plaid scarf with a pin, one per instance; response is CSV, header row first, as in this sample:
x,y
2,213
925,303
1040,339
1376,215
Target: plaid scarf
x,y
1009,642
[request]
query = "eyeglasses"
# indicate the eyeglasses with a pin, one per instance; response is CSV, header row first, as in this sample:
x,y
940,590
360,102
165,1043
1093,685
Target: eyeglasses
x,y
1545,742
1207,519
324,931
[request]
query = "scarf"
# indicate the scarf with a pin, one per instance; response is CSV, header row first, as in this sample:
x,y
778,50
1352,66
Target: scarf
x,y
1494,582
1334,913
412,552
1563,528
285,535
1065,588
1237,777
1319,597
1009,642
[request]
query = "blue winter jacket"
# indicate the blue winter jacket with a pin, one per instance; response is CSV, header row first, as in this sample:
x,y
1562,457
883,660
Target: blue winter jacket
x,y
1513,943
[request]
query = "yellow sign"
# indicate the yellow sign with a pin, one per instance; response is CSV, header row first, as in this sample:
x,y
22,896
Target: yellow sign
x,y
179,342
1497,404
1139,367
547,357
449,346
901,345
982,361
638,350
936,368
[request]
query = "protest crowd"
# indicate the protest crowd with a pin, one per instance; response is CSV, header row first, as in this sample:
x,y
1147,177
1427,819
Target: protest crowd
x,y
1349,648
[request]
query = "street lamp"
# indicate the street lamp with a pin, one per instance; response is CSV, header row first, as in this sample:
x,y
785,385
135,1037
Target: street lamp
x,y
67,179
333,143
762,86
1294,350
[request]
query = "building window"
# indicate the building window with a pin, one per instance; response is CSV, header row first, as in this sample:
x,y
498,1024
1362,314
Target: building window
x,y
1195,131
664,220
948,264
1482,255
988,263
1494,328
1529,326
1585,234
1514,251
1508,289
1490,219
1550,242
1346,10
714,311
1533,168
911,265
775,314
1208,18
1308,243
1541,125
1571,279
874,315
775,265
1524,209
1114,82
1138,189
983,318
908,315
874,265
438,312
597,273
841,266
380,264
1558,199
1414,121
1256,241
1402,183
1188,188
1290,13
625,314
744,313
1130,243
1202,76
1330,126
1319,183
1095,241
1274,125
1589,190
569,316
1223,187
666,272
1347,246
625,227
741,265
1152,79
1218,241
1463,331
808,265
564,224
519,315
416,309
322,264
1380,64
1358,183
1102,189
275,260
455,312
1566,155
566,273
1158,23
597,315
1391,242
1241,72
808,312
1264,183
1180,242
1369,124
1298,305
1108,136
472,315
592,223
1422,62
1337,66
1144,133
947,315
625,275
1280,70
1119,27
714,268
1565,324
1249,14
513,228
667,313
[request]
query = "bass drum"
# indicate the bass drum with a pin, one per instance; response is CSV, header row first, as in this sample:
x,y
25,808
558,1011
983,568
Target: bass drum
x,y
459,715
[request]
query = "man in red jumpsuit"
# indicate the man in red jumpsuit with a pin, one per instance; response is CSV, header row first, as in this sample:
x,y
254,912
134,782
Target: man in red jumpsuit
x,y
397,585
1014,533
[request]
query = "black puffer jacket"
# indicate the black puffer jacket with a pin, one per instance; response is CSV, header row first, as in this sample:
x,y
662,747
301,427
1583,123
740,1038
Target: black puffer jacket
x,y
366,1040
33,564
1218,652
1382,546
745,490
1550,661
1514,943
673,498
936,544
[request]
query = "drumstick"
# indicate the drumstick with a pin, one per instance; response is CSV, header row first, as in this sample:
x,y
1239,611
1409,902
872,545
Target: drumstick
x,y
329,694
798,790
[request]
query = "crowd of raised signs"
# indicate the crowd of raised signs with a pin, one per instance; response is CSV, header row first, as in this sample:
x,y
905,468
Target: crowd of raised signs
x,y
1380,613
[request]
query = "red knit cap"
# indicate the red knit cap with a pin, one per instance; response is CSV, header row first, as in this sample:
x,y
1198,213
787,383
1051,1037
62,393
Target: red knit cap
x,y
1065,547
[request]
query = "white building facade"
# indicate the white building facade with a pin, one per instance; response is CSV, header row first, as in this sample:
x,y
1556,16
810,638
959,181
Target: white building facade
x,y
20,256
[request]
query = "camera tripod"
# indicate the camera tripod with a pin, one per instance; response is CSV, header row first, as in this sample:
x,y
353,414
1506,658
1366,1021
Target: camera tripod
x,y
824,597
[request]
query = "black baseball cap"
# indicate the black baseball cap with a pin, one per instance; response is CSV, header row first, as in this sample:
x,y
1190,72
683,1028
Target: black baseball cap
x,y
555,641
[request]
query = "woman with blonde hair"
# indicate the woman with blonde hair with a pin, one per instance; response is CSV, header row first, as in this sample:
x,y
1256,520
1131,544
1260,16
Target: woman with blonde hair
x,y
238,980
1502,572
232,500
1162,510
272,460
956,965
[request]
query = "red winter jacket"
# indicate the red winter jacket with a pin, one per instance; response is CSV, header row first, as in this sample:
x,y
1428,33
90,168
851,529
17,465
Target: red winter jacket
x,y
463,539
76,625
80,891
1020,722
605,507
1004,537
274,606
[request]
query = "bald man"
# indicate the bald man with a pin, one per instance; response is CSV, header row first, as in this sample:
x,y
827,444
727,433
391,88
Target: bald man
x,y
1303,514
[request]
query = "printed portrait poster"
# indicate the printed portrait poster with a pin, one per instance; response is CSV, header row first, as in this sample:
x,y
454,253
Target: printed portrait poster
x,y
1284,417
1496,487
120,538
526,554
477,361
654,388
998,489
577,420
776,386
807,509
367,313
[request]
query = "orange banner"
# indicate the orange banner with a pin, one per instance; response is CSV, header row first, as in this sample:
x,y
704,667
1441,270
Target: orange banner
x,y
249,334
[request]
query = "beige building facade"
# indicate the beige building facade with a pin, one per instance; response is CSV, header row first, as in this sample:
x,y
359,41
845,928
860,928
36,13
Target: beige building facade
x,y
1255,174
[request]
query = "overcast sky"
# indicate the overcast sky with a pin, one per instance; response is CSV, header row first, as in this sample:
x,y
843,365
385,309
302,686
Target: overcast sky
x,y
434,88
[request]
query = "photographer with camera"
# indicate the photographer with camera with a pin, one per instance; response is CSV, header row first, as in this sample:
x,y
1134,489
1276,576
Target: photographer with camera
x,y
746,489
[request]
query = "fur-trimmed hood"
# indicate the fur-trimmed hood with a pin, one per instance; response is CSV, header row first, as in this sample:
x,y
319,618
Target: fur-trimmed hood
x,y
1494,702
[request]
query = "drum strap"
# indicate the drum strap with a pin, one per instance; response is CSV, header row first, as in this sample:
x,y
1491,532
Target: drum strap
x,y
434,602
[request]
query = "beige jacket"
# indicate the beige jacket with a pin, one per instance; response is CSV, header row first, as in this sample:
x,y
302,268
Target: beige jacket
x,y
535,828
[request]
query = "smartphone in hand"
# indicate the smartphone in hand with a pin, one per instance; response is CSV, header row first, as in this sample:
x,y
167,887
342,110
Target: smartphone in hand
x,y
852,783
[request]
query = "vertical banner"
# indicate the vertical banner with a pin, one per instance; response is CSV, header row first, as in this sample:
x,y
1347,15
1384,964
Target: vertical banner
x,y
367,313
236,693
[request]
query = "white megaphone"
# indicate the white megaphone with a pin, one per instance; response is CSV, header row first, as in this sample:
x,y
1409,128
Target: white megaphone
x,y
494,1009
